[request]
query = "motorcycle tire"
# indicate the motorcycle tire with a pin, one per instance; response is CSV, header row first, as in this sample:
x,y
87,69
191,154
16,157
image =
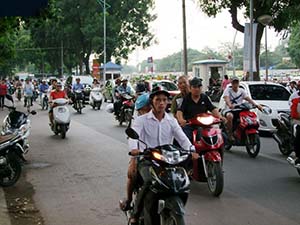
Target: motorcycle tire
x,y
285,149
15,165
253,145
63,131
99,105
227,147
215,180
174,219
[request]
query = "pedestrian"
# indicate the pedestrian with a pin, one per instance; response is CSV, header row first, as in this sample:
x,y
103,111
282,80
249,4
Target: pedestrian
x,y
225,82
292,87
184,88
3,92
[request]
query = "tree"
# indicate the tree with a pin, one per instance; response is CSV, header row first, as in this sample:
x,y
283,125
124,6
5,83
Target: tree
x,y
284,14
294,45
80,28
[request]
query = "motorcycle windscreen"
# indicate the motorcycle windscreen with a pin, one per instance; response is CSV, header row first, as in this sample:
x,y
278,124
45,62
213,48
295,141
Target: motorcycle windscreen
x,y
62,114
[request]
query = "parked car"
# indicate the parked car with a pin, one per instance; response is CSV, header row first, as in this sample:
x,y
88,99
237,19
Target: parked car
x,y
85,80
167,85
265,93
108,87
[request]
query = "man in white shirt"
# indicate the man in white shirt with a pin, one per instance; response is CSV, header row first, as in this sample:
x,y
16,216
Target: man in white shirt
x,y
234,96
154,128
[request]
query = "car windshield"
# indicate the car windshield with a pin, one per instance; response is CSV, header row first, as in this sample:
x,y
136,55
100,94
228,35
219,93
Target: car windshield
x,y
168,86
269,92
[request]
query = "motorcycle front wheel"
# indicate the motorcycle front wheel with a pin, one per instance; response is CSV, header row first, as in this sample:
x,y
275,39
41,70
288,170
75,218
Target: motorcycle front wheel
x,y
15,168
252,145
285,149
63,131
174,219
215,180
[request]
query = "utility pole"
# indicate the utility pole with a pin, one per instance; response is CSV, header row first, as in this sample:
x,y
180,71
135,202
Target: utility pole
x,y
251,40
62,58
185,61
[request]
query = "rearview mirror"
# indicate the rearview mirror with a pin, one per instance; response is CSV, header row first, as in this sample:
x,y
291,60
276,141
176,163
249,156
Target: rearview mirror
x,y
131,133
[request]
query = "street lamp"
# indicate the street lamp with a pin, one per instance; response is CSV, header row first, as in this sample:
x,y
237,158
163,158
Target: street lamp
x,y
104,6
265,20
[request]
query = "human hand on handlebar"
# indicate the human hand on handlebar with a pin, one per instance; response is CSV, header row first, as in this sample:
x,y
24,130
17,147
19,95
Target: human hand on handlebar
x,y
195,156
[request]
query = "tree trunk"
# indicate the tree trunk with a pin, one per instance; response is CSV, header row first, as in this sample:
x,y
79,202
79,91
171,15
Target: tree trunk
x,y
87,64
259,34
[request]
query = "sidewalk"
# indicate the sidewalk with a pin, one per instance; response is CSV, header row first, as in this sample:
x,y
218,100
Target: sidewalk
x,y
4,217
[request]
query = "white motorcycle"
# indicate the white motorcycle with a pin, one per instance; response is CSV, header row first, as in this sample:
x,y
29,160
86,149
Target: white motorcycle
x,y
62,117
96,98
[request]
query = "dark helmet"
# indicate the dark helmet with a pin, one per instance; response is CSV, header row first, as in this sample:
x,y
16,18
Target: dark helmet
x,y
196,82
157,91
140,87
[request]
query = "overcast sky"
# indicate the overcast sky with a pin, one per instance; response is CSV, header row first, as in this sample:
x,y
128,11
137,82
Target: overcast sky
x,y
202,31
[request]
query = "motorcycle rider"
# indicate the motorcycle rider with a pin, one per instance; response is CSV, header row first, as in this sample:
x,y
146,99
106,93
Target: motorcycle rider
x,y
95,84
122,89
28,89
295,115
184,88
78,87
55,94
194,103
43,88
234,96
155,128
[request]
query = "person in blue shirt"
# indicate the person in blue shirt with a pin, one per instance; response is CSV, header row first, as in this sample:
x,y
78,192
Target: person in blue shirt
x,y
124,88
43,88
78,87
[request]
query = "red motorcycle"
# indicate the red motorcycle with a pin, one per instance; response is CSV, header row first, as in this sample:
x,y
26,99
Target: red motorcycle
x,y
245,129
209,144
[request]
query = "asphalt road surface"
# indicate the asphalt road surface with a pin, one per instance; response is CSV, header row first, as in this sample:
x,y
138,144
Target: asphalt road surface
x,y
79,180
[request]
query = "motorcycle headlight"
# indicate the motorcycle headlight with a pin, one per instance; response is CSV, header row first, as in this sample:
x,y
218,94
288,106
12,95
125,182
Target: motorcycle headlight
x,y
170,157
206,120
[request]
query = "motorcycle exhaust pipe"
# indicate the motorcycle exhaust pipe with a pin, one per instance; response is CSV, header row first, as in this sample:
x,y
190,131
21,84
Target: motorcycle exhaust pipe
x,y
277,139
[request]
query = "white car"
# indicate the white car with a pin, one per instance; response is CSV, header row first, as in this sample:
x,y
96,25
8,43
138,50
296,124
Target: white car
x,y
270,94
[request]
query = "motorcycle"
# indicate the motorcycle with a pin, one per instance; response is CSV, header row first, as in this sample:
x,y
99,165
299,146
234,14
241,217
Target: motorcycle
x,y
17,121
96,98
62,117
215,93
284,134
245,129
164,201
10,159
78,101
209,145
127,109
45,101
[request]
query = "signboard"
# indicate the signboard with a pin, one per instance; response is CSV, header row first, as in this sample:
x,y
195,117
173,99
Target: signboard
x,y
96,69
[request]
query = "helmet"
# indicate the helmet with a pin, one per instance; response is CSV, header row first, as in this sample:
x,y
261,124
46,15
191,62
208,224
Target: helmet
x,y
140,87
109,108
157,91
235,79
142,101
196,82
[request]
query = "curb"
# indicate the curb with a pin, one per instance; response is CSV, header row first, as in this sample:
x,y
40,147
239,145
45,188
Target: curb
x,y
4,217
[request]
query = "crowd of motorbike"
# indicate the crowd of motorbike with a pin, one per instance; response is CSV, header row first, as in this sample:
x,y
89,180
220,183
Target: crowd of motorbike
x,y
170,178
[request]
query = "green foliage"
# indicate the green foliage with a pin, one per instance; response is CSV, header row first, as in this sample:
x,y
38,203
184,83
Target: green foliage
x,y
294,45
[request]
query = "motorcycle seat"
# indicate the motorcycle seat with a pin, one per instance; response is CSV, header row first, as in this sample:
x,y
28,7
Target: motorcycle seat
x,y
5,138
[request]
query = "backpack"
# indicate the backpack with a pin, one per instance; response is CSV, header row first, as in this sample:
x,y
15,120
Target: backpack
x,y
295,108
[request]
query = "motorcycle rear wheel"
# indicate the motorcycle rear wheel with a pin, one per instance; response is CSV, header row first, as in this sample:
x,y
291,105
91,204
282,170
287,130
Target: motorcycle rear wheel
x,y
215,180
253,145
285,149
16,168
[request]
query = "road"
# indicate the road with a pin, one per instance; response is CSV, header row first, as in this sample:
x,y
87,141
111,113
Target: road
x,y
79,180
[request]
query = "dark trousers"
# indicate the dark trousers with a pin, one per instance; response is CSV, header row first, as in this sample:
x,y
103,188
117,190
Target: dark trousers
x,y
297,141
2,97
117,107
27,100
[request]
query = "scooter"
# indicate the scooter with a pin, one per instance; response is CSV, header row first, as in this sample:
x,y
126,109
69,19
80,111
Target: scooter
x,y
78,101
96,98
45,101
284,134
61,117
209,144
127,109
10,159
164,202
19,122
245,127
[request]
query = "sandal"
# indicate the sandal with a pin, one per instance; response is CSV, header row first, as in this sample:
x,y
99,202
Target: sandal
x,y
125,205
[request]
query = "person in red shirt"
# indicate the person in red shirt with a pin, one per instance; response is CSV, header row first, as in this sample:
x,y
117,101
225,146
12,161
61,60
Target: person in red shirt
x,y
55,94
225,82
3,92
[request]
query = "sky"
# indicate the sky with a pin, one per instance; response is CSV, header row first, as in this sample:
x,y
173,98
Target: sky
x,y
202,30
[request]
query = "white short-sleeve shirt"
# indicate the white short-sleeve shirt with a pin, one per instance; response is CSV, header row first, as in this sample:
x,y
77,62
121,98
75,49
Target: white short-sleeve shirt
x,y
236,98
